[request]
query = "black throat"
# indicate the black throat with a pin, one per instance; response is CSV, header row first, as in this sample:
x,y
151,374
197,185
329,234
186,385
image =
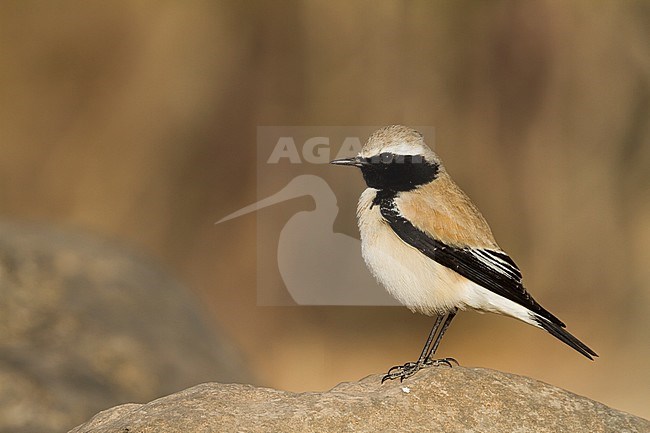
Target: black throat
x,y
397,173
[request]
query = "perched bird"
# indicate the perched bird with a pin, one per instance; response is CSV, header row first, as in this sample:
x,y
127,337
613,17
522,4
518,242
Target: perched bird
x,y
427,243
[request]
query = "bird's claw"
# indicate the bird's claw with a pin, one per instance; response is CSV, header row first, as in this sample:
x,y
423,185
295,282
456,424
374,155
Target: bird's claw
x,y
410,368
402,371
442,361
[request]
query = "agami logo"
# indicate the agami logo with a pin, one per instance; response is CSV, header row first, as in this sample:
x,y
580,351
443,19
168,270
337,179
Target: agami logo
x,y
317,265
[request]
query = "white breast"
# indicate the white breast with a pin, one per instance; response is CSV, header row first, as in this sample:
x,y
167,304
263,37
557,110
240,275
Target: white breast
x,y
412,278
415,280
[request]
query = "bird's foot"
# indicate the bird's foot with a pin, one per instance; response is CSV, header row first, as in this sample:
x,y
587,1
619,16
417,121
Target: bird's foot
x,y
407,370
403,371
442,361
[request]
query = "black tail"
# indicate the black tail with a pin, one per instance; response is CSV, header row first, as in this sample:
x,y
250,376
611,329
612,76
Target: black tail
x,y
563,335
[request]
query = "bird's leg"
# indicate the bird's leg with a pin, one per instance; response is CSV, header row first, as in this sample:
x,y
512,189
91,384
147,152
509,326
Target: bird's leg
x,y
447,361
410,368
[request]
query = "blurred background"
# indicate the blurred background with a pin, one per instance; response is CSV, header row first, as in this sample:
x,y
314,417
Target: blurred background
x,y
136,121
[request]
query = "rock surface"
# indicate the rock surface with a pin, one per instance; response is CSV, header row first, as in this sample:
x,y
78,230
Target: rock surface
x,y
86,324
434,400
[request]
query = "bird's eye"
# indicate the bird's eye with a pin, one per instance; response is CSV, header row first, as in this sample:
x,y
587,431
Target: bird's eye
x,y
386,158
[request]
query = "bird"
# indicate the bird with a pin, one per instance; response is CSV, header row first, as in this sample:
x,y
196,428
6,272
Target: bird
x,y
430,247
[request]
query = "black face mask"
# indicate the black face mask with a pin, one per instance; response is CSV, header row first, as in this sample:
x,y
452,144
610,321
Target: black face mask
x,y
392,172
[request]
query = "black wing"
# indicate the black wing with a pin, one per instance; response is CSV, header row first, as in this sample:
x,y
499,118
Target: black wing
x,y
493,270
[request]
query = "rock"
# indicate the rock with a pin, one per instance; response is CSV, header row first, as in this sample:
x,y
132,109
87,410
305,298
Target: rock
x,y
86,324
437,399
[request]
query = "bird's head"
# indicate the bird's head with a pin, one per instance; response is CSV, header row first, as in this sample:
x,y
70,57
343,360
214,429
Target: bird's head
x,y
395,158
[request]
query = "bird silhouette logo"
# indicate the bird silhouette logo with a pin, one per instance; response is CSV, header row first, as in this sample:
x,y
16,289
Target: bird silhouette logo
x,y
317,265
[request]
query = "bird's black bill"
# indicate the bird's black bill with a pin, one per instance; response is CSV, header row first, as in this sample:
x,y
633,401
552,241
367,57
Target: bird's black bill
x,y
356,161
